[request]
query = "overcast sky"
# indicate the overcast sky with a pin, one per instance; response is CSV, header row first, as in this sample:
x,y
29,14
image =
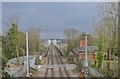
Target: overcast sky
x,y
52,18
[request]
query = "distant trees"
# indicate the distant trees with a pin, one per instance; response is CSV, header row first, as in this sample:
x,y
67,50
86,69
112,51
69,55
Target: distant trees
x,y
34,40
22,43
14,41
82,36
72,36
89,38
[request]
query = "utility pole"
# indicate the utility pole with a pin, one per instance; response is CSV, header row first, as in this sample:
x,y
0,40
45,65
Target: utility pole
x,y
86,61
27,55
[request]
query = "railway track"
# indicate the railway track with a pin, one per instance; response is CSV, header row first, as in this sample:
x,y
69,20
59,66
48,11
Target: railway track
x,y
49,71
54,58
61,62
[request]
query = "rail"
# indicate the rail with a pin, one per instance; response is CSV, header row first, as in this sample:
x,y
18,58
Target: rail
x,y
55,52
62,62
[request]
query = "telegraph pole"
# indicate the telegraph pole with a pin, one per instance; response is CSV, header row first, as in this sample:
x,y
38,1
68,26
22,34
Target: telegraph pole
x,y
27,55
86,61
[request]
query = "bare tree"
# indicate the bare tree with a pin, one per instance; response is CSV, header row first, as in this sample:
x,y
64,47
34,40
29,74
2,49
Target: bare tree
x,y
72,36
34,39
107,29
71,33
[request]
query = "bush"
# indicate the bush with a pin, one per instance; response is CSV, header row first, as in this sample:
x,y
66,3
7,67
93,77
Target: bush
x,y
70,58
5,75
38,61
78,67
